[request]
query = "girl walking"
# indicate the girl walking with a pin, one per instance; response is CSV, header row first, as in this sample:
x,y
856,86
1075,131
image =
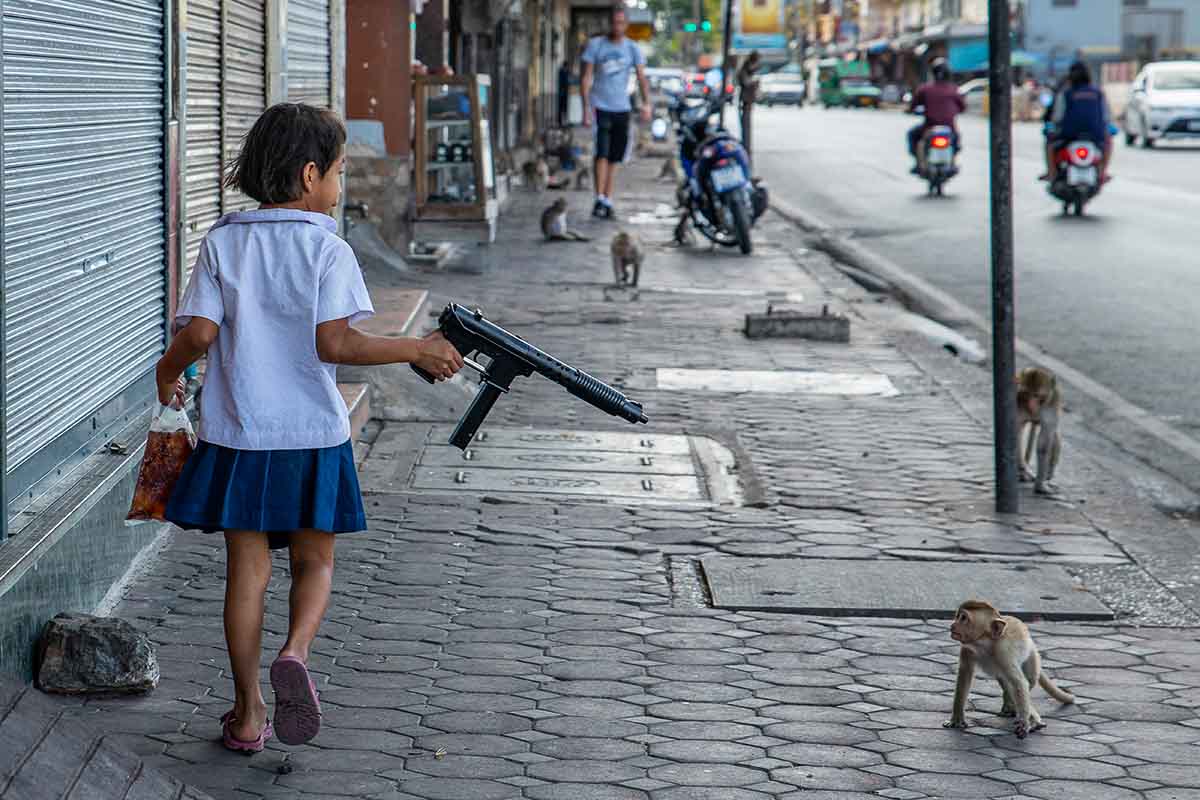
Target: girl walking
x,y
271,300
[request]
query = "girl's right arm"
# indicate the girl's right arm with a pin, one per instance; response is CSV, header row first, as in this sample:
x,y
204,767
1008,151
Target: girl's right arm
x,y
338,343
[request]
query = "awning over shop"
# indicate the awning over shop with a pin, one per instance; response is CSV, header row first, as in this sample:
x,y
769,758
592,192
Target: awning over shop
x,y
1020,58
964,55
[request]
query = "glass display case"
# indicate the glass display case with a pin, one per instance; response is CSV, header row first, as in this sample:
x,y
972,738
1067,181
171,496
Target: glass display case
x,y
454,174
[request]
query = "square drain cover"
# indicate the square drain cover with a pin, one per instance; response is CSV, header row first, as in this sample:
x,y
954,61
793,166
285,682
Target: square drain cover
x,y
619,467
776,381
836,587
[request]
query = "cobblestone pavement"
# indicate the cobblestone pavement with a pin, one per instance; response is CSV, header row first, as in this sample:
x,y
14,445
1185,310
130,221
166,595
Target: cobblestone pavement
x,y
494,646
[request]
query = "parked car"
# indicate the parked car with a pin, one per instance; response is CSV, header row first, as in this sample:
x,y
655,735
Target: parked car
x,y
974,92
693,85
665,80
1164,103
784,86
782,90
859,93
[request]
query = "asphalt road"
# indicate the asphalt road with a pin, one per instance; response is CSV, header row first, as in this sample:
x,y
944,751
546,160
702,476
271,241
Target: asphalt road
x,y
1114,294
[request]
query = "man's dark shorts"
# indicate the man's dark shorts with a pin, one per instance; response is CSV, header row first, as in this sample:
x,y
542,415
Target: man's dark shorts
x,y
612,135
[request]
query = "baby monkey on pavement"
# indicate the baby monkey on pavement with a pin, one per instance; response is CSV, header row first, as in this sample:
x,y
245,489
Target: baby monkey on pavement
x,y
1002,647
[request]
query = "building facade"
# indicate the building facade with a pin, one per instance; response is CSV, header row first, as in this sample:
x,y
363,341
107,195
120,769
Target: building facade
x,y
1100,31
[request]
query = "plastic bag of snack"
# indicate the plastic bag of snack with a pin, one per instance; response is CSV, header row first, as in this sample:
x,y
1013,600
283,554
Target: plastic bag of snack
x,y
168,446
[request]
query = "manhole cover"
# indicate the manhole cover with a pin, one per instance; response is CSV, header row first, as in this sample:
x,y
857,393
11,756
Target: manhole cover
x,y
777,382
606,466
835,587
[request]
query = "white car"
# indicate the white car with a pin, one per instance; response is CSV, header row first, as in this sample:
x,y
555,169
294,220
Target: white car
x,y
1164,103
973,93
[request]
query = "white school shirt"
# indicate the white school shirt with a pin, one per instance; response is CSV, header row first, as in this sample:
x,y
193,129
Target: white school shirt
x,y
268,278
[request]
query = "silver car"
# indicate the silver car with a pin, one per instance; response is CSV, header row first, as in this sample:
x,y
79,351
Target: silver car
x,y
1164,103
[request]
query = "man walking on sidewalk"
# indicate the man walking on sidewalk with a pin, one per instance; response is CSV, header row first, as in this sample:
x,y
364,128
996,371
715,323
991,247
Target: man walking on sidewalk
x,y
607,64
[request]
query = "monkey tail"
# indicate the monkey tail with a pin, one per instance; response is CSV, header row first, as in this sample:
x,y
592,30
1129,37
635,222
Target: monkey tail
x,y
1055,692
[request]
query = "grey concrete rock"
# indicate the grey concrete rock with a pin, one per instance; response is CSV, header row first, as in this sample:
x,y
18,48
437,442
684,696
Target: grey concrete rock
x,y
83,654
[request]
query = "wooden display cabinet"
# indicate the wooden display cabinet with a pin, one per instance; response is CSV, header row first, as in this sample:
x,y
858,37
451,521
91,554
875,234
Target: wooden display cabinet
x,y
455,176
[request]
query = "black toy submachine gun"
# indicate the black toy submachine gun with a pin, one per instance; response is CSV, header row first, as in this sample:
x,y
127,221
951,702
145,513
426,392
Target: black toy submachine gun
x,y
511,357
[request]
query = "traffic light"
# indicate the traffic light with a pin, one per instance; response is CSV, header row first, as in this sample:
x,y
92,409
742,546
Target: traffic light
x,y
705,25
689,27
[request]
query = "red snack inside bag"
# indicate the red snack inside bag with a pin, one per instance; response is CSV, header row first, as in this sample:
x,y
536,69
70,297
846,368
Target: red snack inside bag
x,y
168,446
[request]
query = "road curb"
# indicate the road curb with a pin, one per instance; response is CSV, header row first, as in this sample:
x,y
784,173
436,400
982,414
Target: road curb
x,y
932,301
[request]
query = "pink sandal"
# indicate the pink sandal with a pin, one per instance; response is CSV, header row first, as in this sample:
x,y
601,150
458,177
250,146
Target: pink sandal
x,y
237,745
297,709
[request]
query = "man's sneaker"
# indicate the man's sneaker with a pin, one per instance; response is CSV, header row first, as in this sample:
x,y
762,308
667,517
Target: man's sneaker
x,y
599,210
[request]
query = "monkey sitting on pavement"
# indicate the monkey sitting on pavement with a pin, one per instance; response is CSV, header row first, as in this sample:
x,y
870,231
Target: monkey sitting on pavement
x,y
1002,647
1039,404
536,174
669,171
627,254
554,224
583,178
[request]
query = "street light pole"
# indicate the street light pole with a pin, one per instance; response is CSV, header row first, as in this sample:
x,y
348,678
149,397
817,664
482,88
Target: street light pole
x,y
1004,390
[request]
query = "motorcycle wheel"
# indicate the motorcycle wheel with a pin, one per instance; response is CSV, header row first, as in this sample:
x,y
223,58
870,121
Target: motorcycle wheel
x,y
741,223
1079,206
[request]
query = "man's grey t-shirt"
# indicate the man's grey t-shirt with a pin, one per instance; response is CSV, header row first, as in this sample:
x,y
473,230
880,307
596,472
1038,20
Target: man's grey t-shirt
x,y
612,62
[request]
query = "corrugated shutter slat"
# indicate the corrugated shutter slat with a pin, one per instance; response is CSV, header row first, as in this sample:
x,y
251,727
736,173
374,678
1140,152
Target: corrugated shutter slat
x,y
84,245
308,52
245,84
203,180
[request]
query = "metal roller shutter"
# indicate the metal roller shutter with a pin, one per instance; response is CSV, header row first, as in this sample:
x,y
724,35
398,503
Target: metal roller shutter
x,y
84,245
308,52
203,181
244,43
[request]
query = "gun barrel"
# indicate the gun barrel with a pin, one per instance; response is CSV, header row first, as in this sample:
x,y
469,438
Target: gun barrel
x,y
576,381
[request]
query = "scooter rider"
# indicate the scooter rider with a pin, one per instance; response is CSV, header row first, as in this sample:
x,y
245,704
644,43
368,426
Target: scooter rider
x,y
1080,111
942,104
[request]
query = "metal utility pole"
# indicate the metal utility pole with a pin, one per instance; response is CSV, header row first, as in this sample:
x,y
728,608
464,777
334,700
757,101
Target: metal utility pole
x,y
726,40
1004,368
697,13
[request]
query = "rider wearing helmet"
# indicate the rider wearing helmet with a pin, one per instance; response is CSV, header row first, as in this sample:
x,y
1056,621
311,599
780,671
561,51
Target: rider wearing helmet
x,y
942,104
1080,111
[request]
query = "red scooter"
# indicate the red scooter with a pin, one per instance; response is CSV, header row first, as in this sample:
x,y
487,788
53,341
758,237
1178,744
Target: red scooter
x,y
1076,178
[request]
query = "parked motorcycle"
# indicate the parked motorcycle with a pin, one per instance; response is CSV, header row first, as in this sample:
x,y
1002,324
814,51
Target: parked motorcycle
x,y
1076,178
718,195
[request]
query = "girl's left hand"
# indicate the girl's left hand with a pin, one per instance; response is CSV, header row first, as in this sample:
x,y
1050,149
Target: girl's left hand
x,y
171,392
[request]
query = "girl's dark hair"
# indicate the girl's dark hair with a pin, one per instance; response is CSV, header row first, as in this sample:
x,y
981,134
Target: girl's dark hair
x,y
1079,74
285,138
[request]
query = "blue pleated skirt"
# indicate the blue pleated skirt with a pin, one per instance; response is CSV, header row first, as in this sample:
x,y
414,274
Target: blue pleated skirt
x,y
276,491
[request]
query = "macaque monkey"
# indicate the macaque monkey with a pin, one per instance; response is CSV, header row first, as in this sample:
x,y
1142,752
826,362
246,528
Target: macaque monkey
x,y
669,171
627,255
1039,404
554,224
1002,647
583,178
536,174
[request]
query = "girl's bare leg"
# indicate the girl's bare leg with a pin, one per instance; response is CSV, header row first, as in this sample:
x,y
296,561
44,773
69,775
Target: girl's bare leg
x,y
247,572
312,576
